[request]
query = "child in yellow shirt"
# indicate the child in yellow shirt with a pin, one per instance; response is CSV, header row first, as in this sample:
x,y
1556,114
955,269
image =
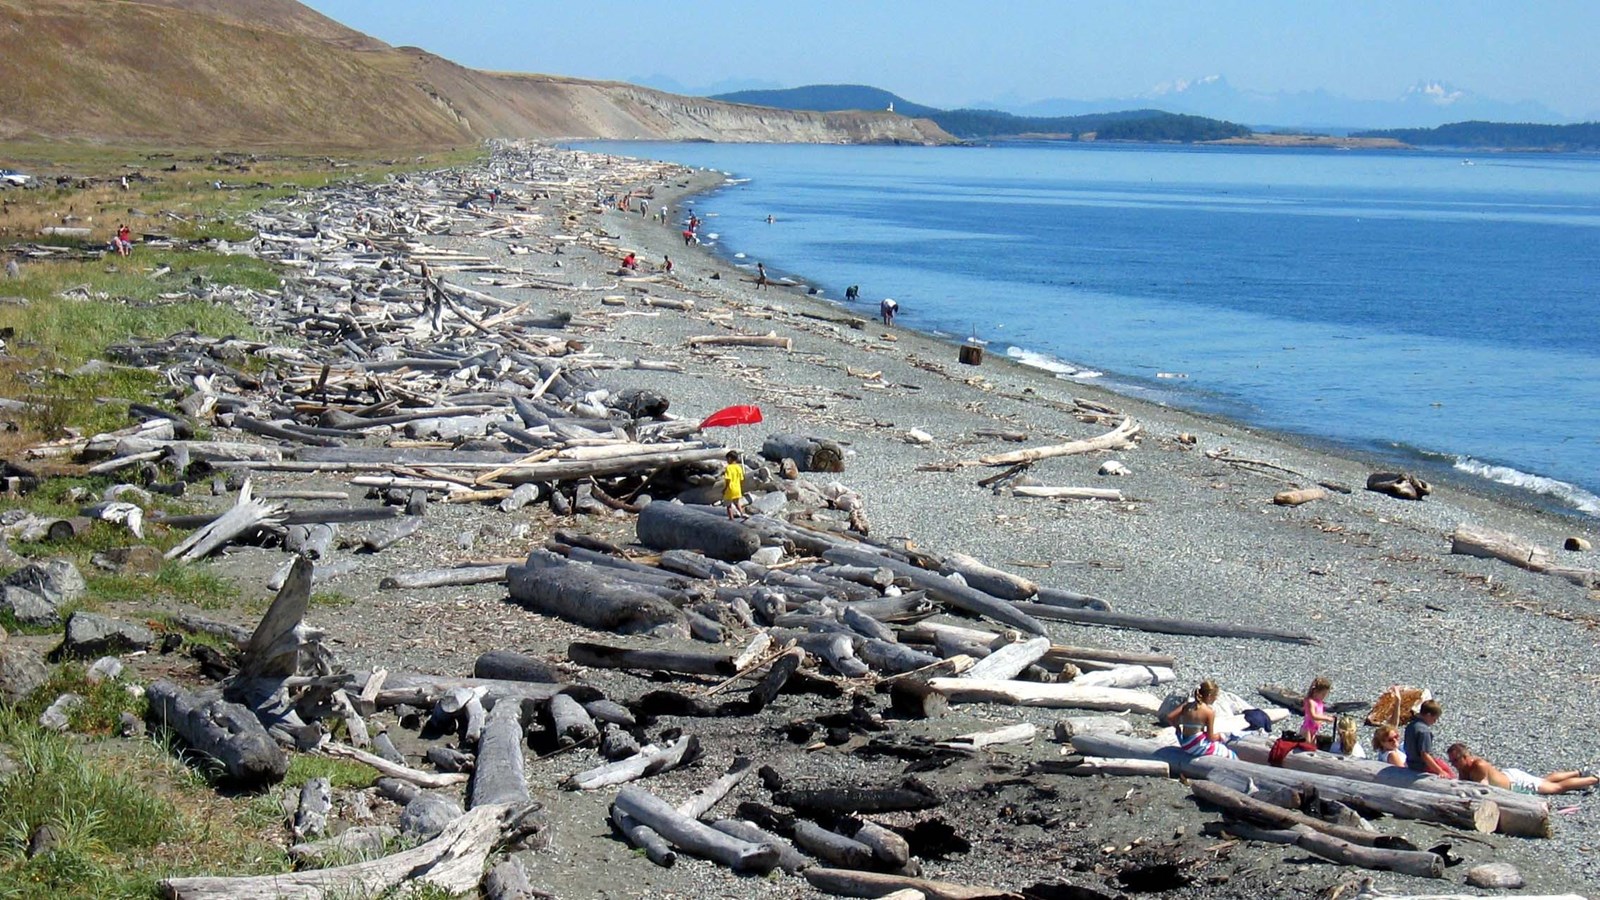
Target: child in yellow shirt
x,y
733,486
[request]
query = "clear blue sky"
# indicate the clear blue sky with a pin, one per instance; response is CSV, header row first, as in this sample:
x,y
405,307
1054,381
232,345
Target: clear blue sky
x,y
947,52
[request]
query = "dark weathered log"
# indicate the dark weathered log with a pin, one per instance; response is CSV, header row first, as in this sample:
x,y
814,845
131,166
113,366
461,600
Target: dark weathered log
x,y
693,836
432,578
226,732
498,775
850,883
810,454
941,589
610,712
600,656
673,526
831,847
648,761
578,593
910,794
449,760
695,565
617,743
790,860
384,747
784,667
1069,599
1164,626
570,722
1245,806
917,700
508,665
866,625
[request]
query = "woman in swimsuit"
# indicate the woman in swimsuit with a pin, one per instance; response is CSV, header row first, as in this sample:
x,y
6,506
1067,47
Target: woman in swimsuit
x,y
1196,722
1386,741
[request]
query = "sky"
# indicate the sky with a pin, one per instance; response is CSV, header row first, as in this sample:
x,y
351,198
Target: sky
x,y
950,53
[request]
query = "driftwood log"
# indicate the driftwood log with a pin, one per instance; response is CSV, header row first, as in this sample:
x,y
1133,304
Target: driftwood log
x,y
693,836
940,588
1049,696
1509,548
810,454
852,883
1118,438
673,526
579,593
222,731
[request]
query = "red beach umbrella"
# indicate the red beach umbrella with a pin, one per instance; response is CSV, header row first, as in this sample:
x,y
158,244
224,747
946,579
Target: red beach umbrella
x,y
732,415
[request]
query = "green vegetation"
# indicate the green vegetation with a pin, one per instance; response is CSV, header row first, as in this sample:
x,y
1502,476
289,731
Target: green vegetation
x,y
343,774
103,703
989,124
1497,135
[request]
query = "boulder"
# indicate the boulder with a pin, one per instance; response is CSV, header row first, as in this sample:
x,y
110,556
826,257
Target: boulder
x,y
427,815
21,673
57,581
92,635
28,607
1495,875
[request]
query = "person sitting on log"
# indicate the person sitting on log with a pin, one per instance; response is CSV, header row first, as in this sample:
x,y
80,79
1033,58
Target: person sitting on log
x,y
1419,742
1386,745
1476,768
733,486
1346,740
1196,723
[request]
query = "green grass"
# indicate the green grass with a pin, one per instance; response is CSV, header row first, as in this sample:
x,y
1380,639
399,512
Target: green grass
x,y
102,707
329,600
343,774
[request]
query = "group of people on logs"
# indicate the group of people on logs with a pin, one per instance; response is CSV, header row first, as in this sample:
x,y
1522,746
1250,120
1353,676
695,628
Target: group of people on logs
x,y
1412,748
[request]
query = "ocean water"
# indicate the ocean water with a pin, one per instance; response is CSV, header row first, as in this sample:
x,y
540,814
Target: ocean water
x,y
1438,309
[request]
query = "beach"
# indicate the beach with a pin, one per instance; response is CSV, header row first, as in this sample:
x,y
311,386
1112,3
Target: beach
x,y
1197,536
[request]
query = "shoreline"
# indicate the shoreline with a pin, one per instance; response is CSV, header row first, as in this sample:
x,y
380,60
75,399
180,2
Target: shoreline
x,y
1441,468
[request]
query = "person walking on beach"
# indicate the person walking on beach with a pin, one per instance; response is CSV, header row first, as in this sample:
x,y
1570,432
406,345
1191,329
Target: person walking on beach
x,y
733,486
666,263
1196,722
1476,768
761,276
663,215
1419,741
852,293
887,310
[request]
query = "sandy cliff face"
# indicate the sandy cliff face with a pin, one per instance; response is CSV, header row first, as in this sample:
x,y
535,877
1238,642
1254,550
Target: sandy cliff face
x,y
272,73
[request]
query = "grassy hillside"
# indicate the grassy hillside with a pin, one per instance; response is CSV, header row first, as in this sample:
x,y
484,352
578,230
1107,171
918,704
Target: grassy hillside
x,y
274,74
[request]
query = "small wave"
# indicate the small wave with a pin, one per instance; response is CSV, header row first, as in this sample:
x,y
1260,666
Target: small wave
x,y
1570,494
1035,360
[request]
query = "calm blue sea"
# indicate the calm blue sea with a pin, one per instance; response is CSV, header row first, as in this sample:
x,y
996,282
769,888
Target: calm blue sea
x,y
1437,308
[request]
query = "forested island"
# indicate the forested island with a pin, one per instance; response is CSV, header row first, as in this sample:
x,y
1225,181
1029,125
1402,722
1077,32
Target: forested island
x,y
1497,135
990,124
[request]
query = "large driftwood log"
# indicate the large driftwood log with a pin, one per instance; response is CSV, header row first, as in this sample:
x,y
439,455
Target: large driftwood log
x,y
1245,806
498,776
600,656
1049,696
851,883
701,801
509,665
579,593
226,732
452,861
673,526
1046,492
790,860
1522,815
274,649
1402,803
432,578
693,836
1416,863
741,340
939,588
1509,548
909,794
1119,438
810,454
1126,677
1164,626
988,579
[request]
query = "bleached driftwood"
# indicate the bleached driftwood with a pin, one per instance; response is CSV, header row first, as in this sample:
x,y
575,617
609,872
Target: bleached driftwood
x,y
1050,696
1118,438
1509,548
246,513
1068,493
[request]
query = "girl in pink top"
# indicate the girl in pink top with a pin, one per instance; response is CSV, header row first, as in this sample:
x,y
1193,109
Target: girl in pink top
x,y
1312,709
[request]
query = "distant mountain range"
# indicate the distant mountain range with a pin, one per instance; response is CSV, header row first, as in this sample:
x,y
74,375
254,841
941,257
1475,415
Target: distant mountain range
x,y
1425,104
990,124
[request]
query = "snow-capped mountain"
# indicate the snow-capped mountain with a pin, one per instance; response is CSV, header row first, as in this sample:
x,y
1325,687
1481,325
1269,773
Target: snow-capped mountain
x,y
1425,104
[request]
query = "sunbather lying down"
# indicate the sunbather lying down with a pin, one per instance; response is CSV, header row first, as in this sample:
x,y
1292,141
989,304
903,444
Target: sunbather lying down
x,y
1476,768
